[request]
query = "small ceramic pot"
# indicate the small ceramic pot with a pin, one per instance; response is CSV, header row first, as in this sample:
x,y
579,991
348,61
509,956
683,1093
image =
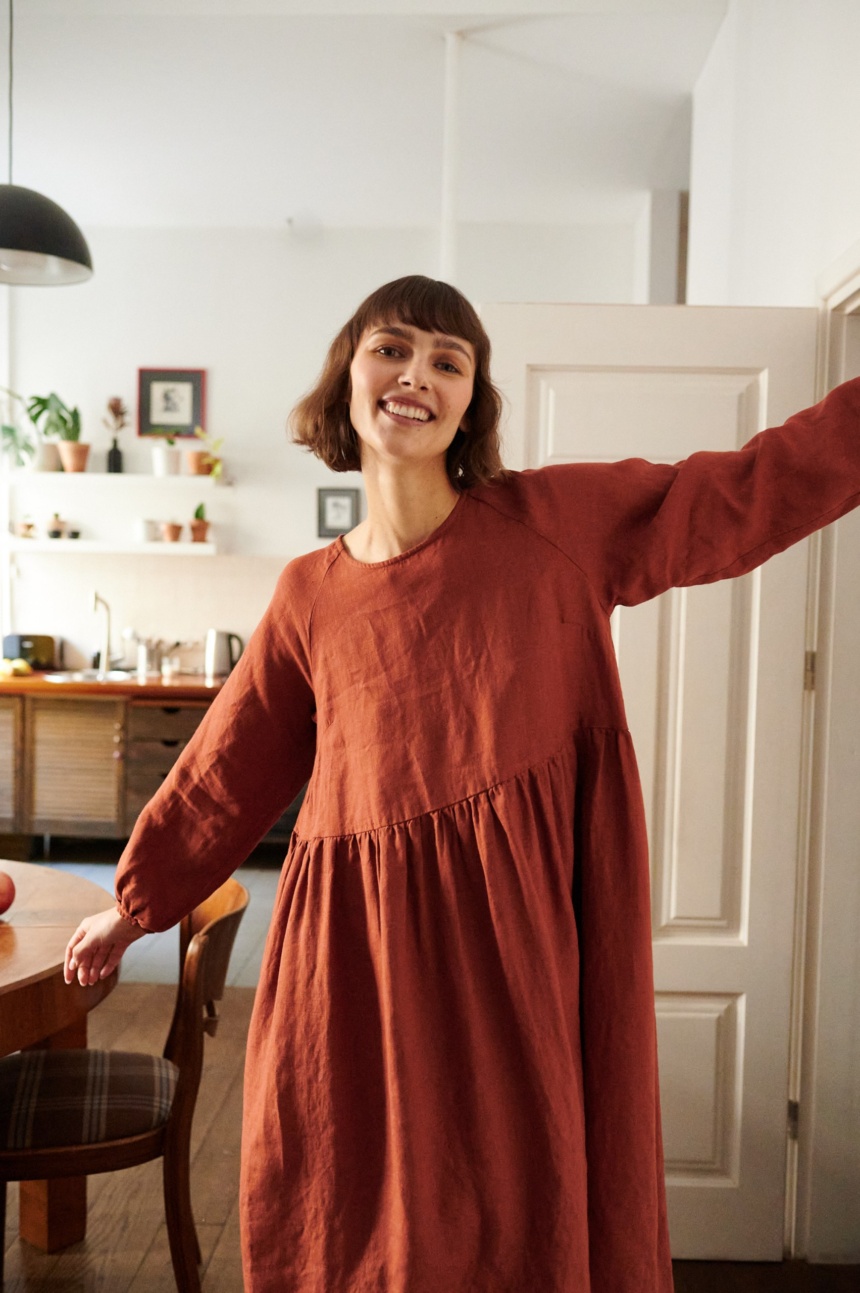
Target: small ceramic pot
x,y
170,531
166,460
199,530
73,455
47,456
148,531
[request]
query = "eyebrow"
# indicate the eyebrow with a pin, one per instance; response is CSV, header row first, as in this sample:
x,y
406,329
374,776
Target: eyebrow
x,y
439,340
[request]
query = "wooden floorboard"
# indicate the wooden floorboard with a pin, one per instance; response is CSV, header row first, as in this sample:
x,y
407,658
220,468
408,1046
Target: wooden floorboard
x,y
126,1249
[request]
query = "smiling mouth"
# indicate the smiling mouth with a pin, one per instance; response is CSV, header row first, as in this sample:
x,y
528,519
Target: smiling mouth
x,y
411,411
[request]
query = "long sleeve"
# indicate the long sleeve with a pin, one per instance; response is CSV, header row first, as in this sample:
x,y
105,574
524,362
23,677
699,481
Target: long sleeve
x,y
245,763
637,528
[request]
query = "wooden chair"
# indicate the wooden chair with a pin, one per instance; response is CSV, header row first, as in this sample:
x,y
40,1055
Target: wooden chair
x,y
76,1113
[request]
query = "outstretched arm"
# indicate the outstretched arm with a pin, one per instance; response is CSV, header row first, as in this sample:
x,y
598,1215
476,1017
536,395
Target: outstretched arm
x,y
97,945
638,528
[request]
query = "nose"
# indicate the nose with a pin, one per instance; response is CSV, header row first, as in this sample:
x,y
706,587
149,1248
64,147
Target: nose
x,y
415,374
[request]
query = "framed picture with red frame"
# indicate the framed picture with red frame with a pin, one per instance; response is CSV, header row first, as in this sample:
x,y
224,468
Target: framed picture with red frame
x,y
171,402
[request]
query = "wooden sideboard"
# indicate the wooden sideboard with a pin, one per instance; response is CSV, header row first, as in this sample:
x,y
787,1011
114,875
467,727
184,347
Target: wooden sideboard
x,y
84,761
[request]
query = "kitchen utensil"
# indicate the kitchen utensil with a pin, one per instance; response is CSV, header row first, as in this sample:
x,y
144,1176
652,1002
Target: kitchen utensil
x,y
221,652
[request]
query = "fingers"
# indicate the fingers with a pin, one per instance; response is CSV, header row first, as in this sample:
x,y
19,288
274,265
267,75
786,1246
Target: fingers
x,y
70,962
96,947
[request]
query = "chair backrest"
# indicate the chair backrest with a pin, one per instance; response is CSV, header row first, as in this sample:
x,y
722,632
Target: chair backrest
x,y
206,939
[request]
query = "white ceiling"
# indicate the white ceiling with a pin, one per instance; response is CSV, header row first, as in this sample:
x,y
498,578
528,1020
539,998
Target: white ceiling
x,y
181,112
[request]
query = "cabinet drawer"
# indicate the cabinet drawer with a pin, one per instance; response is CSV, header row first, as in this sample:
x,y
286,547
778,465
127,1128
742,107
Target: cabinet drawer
x,y
144,781
135,802
163,722
155,756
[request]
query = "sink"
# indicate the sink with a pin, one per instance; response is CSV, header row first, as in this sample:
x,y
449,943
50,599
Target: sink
x,y
87,675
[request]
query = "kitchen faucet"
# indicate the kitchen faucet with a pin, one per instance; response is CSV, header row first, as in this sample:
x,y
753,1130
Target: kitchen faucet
x,y
104,653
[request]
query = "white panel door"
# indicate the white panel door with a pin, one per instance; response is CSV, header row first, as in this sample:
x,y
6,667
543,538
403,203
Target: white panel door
x,y
713,682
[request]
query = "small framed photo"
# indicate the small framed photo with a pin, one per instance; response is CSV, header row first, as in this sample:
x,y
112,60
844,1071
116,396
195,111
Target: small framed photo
x,y
337,511
171,401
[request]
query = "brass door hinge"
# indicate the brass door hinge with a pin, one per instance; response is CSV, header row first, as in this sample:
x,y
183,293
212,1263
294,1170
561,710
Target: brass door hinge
x,y
793,1119
810,661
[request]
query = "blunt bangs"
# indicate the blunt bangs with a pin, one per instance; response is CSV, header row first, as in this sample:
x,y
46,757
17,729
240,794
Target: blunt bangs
x,y
423,303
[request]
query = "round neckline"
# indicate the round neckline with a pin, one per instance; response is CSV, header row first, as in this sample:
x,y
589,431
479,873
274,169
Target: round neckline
x,y
409,552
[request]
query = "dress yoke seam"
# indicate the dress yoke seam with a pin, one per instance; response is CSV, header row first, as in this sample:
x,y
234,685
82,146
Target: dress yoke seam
x,y
464,799
528,525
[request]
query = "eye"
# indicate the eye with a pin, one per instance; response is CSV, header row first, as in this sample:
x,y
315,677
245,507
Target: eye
x,y
448,366
389,352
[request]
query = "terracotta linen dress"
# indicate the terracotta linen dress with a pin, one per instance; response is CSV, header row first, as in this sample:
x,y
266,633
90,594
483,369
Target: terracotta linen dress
x,y
451,1081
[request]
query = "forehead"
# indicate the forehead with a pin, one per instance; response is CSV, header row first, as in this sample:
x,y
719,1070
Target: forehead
x,y
408,332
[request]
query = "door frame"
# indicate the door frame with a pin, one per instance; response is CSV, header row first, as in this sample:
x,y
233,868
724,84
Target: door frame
x,y
820,868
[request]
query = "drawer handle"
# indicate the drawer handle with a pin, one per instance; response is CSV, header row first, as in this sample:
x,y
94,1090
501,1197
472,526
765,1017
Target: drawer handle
x,y
170,744
170,709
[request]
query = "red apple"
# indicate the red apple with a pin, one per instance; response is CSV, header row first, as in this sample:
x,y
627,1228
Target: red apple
x,y
7,892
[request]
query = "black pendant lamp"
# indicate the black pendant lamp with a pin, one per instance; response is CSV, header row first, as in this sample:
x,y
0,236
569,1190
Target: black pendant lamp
x,y
40,244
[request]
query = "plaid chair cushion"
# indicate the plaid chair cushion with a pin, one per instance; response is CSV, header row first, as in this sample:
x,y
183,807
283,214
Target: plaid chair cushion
x,y
51,1098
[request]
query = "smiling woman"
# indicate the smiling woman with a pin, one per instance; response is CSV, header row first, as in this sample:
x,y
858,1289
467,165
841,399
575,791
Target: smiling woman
x,y
451,1078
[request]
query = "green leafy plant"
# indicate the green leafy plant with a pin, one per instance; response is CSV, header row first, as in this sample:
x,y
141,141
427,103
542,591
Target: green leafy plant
x,y
213,459
200,512
53,418
16,441
166,436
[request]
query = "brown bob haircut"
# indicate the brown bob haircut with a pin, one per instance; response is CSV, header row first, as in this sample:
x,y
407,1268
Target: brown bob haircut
x,y
321,421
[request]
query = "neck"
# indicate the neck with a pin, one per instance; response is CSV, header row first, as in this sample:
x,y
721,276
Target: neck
x,y
404,507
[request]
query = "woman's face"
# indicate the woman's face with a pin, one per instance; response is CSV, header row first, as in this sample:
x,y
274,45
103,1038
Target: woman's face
x,y
409,392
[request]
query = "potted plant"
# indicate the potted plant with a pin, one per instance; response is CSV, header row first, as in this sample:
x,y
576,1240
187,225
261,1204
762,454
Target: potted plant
x,y
205,460
199,525
165,456
56,421
116,419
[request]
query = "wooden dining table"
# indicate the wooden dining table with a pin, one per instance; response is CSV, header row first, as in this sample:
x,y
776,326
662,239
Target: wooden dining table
x,y
38,1009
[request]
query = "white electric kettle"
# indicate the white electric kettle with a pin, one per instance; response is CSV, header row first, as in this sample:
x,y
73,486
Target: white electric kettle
x,y
221,652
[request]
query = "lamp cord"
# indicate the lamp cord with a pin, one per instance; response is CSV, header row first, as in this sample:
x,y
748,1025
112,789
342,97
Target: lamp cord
x,y
11,24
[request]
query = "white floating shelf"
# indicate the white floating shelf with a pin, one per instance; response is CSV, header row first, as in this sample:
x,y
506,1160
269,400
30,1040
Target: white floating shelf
x,y
105,547
24,475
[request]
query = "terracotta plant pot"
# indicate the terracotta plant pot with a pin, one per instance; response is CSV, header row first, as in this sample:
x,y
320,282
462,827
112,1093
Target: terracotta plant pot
x,y
199,530
170,531
73,455
198,462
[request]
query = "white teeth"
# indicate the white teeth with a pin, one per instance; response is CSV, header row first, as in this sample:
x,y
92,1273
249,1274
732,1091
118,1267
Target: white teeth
x,y
407,411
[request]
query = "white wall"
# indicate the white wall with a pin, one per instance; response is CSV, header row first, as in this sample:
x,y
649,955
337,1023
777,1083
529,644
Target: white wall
x,y
506,262
775,199
256,308
775,185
